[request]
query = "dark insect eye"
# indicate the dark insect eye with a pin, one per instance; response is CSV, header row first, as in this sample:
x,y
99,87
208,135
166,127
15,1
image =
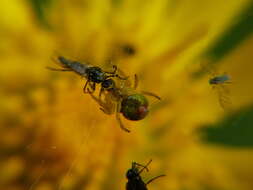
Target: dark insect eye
x,y
108,83
130,174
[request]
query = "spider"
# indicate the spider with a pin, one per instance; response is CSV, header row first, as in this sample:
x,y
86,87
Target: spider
x,y
135,181
123,98
94,75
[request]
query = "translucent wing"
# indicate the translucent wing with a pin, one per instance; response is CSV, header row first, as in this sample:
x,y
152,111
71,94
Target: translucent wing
x,y
223,95
221,85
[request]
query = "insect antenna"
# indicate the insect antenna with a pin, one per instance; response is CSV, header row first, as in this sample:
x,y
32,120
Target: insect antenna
x,y
149,181
151,94
145,167
134,164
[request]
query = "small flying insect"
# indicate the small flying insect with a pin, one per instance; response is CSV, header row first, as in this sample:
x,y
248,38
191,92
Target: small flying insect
x,y
220,79
135,181
128,50
94,75
123,98
219,83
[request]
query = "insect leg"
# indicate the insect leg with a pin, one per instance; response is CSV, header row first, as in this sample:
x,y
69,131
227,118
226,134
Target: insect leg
x,y
118,117
151,94
149,181
85,87
93,87
104,110
114,71
145,167
54,69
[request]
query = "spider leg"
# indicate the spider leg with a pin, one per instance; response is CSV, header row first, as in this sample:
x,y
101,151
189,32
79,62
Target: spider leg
x,y
149,181
151,94
121,78
100,102
101,92
136,81
116,75
118,118
121,75
114,71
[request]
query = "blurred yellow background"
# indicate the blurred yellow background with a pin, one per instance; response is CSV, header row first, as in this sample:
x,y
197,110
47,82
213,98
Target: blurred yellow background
x,y
52,136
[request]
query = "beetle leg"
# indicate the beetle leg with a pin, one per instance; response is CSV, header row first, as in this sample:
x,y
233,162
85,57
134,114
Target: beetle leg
x,y
118,118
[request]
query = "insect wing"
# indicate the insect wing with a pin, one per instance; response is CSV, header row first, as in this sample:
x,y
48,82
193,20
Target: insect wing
x,y
223,96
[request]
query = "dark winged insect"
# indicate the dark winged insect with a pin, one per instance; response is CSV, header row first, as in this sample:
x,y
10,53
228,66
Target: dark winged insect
x,y
94,75
134,178
219,83
221,79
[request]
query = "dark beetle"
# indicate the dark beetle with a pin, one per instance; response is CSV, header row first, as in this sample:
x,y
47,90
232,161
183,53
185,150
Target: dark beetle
x,y
135,181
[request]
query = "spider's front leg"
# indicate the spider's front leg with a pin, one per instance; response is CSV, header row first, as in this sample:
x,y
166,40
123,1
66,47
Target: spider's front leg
x,y
118,118
151,94
103,104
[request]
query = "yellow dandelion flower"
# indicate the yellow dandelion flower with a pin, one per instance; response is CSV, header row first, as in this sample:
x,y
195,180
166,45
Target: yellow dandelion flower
x,y
52,136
